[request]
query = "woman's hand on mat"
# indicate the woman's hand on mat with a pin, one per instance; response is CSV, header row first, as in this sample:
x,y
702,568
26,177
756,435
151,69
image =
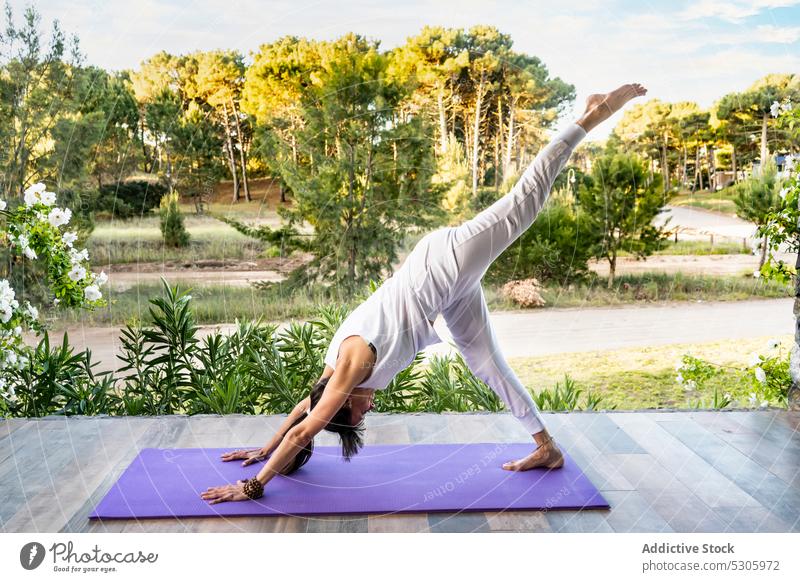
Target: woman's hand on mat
x,y
233,492
249,456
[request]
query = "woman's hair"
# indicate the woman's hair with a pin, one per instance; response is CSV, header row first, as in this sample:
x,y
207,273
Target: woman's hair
x,y
350,435
303,456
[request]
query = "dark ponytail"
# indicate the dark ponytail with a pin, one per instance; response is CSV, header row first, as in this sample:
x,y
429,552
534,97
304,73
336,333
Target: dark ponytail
x,y
350,435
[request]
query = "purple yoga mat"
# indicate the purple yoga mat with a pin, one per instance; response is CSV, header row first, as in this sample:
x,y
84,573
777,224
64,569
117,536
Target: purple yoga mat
x,y
380,479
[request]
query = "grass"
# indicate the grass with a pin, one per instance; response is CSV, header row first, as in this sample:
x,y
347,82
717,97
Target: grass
x,y
644,377
649,288
223,304
699,248
717,201
211,304
140,241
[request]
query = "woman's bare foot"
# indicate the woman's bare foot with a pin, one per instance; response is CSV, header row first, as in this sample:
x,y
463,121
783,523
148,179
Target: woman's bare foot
x,y
601,106
546,455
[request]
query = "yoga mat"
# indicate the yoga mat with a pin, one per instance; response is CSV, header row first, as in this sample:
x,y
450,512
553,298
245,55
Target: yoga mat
x,y
380,479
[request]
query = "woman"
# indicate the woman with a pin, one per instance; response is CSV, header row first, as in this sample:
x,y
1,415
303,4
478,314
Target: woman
x,y
381,336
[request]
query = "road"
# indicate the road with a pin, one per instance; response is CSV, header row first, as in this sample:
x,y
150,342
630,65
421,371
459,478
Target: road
x,y
558,330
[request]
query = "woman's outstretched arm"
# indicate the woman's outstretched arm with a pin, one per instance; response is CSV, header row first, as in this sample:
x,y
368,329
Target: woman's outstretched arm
x,y
251,456
352,367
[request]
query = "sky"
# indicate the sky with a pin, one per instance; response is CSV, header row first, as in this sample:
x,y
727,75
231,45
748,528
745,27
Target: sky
x,y
681,51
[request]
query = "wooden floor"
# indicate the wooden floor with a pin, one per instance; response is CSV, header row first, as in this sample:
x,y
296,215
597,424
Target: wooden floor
x,y
698,471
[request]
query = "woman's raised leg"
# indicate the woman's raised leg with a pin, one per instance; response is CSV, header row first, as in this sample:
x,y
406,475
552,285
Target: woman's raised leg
x,y
480,240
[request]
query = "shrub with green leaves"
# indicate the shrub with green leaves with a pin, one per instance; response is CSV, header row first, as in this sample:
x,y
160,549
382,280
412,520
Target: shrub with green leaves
x,y
767,376
31,236
556,247
172,227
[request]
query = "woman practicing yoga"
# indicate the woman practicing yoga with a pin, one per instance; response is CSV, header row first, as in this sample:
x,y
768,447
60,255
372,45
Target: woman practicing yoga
x,y
381,337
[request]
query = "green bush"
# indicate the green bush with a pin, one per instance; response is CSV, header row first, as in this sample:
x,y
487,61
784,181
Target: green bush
x,y
129,199
556,247
567,397
172,227
167,369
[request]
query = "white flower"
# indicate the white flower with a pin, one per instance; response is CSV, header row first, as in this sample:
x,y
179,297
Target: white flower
x,y
756,274
69,238
11,357
761,375
755,360
56,301
679,378
78,256
77,272
3,205
33,194
57,216
18,330
773,343
31,311
23,241
30,253
786,105
48,198
92,293
783,193
727,395
764,403
5,312
100,279
753,399
775,109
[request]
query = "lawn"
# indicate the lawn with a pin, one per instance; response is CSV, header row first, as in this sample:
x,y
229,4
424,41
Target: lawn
x,y
644,377
717,201
225,303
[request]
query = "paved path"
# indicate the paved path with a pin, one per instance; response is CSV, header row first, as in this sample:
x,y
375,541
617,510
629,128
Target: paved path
x,y
699,221
552,331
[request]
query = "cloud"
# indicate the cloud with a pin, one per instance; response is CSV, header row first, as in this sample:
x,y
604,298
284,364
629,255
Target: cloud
x,y
777,34
731,10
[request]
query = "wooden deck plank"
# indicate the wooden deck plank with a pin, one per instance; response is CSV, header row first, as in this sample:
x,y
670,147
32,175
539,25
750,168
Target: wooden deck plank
x,y
631,512
518,521
398,523
96,446
606,435
9,425
660,471
463,522
768,489
699,476
667,495
158,432
603,473
337,524
586,521
751,520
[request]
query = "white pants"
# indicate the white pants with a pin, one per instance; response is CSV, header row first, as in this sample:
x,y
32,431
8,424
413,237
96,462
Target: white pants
x,y
474,245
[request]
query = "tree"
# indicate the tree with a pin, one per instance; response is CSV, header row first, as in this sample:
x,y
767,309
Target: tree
x,y
756,198
362,173
622,202
274,84
219,80
783,229
36,88
754,104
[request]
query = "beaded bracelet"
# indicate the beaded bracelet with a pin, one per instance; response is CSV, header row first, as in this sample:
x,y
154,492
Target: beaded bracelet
x,y
253,488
